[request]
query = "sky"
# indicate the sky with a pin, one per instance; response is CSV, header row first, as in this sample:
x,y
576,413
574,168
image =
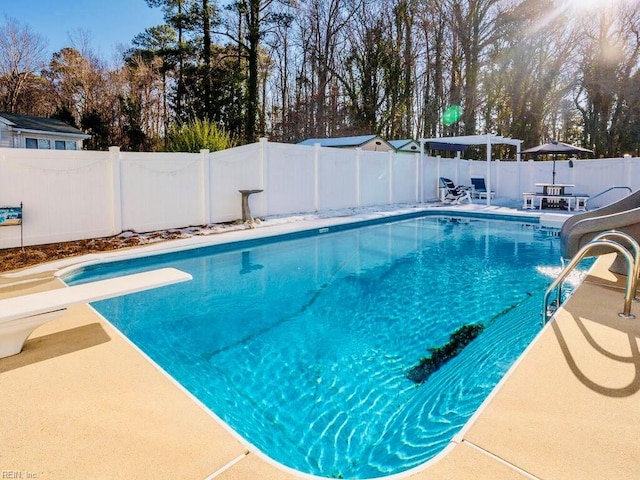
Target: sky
x,y
108,22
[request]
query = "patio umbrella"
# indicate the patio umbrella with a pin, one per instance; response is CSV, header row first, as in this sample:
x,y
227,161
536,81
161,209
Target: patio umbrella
x,y
554,148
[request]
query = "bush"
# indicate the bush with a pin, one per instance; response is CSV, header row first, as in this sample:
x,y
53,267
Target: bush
x,y
197,134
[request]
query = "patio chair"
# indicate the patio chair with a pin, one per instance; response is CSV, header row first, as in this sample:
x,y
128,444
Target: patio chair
x,y
479,188
454,193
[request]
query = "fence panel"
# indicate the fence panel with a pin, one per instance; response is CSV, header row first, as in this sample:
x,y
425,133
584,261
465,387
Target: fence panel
x,y
290,179
161,190
432,169
65,194
595,176
70,195
231,170
375,178
404,186
337,179
505,179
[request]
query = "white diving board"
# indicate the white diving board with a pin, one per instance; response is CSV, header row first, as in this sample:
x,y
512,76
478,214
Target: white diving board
x,y
19,316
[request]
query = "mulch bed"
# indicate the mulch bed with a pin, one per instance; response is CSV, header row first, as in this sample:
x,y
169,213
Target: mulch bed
x,y
16,258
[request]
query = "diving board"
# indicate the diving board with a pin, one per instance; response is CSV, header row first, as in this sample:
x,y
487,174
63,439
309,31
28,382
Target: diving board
x,y
19,316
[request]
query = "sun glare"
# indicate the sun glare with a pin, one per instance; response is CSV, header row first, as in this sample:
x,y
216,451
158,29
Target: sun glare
x,y
577,10
577,7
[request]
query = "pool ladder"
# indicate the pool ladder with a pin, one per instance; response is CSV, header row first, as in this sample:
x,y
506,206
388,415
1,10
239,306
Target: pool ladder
x,y
601,240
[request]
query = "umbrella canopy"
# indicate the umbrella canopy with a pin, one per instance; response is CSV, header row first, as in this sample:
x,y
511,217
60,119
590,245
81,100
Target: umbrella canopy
x,y
555,148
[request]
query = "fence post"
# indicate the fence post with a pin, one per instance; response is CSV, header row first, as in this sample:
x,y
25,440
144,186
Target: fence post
x,y
438,175
116,190
205,187
416,183
358,152
316,181
626,159
530,175
390,175
264,163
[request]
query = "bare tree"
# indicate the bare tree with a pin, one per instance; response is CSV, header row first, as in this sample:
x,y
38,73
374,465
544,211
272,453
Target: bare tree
x,y
609,63
472,23
528,73
431,68
323,25
87,90
21,55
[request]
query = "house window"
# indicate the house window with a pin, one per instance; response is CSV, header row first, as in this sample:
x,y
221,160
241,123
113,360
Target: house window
x,y
45,143
66,145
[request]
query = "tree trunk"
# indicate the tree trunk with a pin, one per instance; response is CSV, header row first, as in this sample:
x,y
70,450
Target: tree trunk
x,y
206,58
253,40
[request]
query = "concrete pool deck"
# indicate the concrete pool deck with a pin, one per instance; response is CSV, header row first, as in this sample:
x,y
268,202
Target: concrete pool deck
x,y
81,402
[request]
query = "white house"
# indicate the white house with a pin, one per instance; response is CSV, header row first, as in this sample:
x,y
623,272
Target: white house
x,y
365,142
25,131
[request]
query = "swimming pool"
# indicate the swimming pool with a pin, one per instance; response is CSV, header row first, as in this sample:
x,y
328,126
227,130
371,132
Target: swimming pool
x,y
304,346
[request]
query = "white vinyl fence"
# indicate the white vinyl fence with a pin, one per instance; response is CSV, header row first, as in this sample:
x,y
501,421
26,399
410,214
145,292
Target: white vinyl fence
x,y
71,195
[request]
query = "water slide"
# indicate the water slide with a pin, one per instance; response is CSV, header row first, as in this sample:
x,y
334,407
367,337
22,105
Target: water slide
x,y
623,215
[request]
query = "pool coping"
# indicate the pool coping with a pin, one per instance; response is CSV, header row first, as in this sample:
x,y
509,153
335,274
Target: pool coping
x,y
460,450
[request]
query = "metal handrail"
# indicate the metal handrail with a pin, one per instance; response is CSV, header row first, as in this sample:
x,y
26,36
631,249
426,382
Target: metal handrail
x,y
578,257
636,251
586,203
634,245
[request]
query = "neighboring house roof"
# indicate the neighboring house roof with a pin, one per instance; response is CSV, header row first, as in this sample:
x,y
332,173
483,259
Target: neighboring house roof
x,y
406,145
30,123
341,142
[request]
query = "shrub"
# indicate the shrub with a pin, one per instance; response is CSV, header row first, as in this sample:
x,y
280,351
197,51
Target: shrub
x,y
196,134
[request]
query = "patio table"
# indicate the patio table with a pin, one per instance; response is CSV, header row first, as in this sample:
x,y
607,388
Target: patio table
x,y
554,188
554,195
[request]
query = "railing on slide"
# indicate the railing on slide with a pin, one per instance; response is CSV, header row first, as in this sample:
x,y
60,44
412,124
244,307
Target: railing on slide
x,y
601,240
586,203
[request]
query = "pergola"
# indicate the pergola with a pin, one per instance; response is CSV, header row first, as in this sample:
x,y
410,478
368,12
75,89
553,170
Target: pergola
x,y
458,144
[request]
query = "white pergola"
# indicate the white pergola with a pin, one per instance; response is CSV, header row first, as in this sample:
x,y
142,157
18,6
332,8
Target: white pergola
x,y
468,140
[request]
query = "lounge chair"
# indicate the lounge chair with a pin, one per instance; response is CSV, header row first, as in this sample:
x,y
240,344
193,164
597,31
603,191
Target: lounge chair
x,y
454,193
479,188
19,316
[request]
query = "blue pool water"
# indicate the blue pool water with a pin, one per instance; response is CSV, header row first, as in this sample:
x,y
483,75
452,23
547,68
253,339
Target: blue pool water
x,y
303,345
